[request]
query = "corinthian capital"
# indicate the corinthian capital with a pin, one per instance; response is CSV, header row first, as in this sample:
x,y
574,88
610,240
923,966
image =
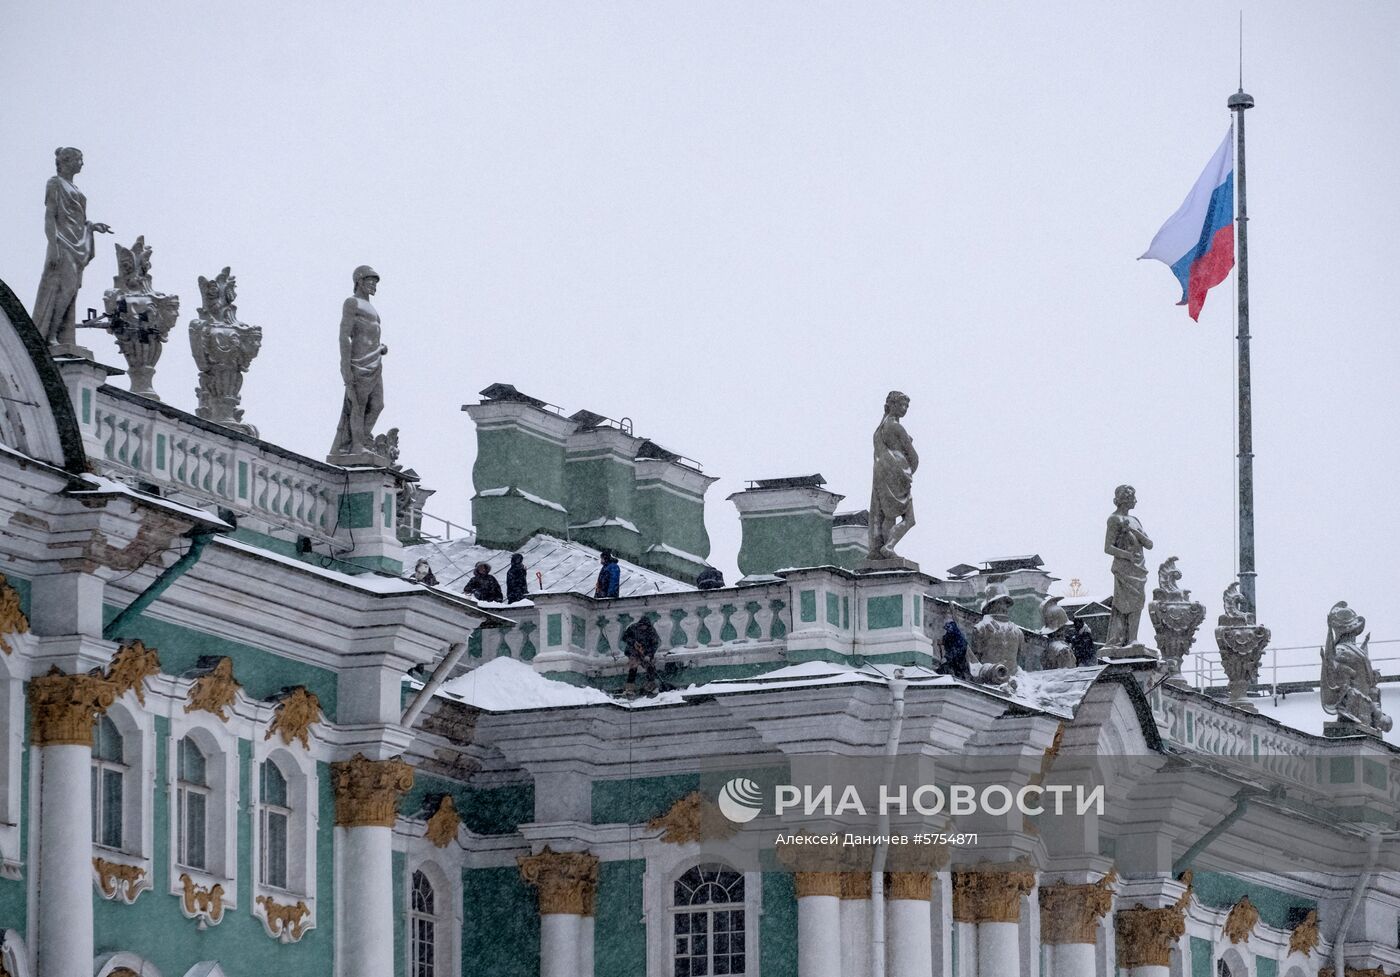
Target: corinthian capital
x,y
62,708
367,791
567,880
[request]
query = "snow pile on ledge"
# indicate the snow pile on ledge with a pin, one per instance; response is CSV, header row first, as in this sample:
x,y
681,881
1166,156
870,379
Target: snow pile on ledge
x,y
504,683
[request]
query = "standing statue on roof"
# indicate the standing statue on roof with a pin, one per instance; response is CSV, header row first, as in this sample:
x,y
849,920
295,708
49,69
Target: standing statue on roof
x,y
362,370
1126,542
891,495
1350,686
71,249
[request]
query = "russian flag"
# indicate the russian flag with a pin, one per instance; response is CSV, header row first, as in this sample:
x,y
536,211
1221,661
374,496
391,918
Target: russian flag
x,y
1198,241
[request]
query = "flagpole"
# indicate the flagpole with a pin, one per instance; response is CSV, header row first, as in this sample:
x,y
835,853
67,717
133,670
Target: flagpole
x,y
1238,103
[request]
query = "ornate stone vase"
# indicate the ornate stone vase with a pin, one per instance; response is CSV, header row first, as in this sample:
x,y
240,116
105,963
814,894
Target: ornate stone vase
x,y
223,348
1175,622
139,318
1241,648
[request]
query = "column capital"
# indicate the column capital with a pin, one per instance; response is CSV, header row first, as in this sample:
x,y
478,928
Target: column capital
x,y
991,893
367,791
567,880
1071,913
909,885
1146,936
855,885
62,708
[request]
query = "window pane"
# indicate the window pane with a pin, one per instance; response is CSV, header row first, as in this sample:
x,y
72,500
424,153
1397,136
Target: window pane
x,y
96,805
422,894
195,830
274,785
111,808
192,764
275,849
107,742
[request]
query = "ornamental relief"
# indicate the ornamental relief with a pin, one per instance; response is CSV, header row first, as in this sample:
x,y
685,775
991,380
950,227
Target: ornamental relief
x,y
131,666
1305,937
12,619
442,826
215,691
296,712
283,922
204,903
117,880
1241,921
691,819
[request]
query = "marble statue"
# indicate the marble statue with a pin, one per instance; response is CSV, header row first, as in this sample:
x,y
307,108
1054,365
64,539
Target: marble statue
x,y
223,349
1242,643
71,249
1350,686
1058,630
891,499
362,370
1125,541
1175,619
996,639
139,317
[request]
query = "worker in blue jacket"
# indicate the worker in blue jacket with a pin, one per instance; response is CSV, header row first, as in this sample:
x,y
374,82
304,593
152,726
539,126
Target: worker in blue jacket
x,y
609,576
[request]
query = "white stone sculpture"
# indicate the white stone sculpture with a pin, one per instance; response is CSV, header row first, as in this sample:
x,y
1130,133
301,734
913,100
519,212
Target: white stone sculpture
x,y
70,250
996,639
362,370
891,494
139,317
1125,541
1241,642
1175,619
223,348
1350,686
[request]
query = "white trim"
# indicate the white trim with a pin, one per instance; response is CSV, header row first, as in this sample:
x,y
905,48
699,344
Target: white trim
x,y
299,768
446,878
137,728
109,962
11,757
666,863
220,748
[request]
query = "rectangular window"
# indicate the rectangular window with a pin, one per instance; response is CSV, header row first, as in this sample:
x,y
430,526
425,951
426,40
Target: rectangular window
x,y
107,814
274,849
193,808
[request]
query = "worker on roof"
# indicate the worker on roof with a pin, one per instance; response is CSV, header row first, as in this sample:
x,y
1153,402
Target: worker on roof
x,y
609,576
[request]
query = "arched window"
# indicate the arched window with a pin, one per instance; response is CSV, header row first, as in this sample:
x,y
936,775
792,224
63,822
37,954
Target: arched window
x,y
422,921
707,925
108,774
274,816
192,806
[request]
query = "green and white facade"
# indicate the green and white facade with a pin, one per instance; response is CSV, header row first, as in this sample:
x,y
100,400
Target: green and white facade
x,y
216,756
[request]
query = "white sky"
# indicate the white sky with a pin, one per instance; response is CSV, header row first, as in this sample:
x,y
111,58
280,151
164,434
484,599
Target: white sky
x,y
741,223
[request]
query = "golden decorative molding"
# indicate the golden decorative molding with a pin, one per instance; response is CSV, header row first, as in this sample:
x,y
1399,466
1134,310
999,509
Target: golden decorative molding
x,y
1071,913
284,922
855,885
367,791
294,716
215,691
817,884
12,621
691,819
911,885
117,880
1354,972
1146,937
1305,936
442,826
131,666
567,880
62,708
1241,921
991,893
205,904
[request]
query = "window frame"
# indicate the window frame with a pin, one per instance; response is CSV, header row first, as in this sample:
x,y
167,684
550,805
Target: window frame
x,y
443,868
708,910
136,727
665,864
299,768
222,769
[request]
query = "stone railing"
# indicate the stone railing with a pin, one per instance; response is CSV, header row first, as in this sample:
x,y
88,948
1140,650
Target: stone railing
x,y
184,455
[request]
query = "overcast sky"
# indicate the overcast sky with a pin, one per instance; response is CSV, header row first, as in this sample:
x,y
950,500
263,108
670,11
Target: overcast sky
x,y
741,223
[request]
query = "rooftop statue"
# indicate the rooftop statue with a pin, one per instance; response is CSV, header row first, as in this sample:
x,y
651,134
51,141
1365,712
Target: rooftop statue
x,y
1242,642
1058,630
223,348
139,317
1169,582
1236,605
362,369
891,499
1175,618
996,639
1350,685
1125,541
70,250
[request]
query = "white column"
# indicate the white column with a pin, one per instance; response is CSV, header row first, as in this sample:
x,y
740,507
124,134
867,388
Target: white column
x,y
1150,970
909,924
967,949
999,950
818,924
65,939
560,944
367,796
855,924
1073,960
62,709
367,901
567,884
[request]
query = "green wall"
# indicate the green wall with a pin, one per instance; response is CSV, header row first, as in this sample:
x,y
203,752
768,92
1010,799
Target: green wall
x,y
500,928
620,935
778,930
497,811
773,542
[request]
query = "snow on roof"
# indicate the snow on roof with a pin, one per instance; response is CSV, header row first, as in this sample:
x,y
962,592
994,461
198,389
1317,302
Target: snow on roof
x,y
565,566
102,485
1303,711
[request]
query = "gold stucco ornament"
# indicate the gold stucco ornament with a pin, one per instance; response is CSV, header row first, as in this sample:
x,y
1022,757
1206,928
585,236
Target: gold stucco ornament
x,y
215,691
12,619
367,791
204,903
1241,921
442,826
691,819
131,666
294,716
63,708
1305,937
284,922
117,880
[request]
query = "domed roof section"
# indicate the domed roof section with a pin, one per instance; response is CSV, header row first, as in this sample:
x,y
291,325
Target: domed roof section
x,y
36,413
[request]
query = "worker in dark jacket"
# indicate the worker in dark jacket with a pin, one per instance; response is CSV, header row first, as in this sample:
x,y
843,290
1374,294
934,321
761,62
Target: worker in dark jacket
x,y
954,652
609,576
1082,641
517,588
482,586
641,643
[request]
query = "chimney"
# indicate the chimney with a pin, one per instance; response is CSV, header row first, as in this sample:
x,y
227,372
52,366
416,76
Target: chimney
x,y
671,512
519,470
600,476
850,538
785,522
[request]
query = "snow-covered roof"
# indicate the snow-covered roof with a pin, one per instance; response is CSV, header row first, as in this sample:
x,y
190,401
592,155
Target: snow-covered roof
x,y
565,566
506,685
